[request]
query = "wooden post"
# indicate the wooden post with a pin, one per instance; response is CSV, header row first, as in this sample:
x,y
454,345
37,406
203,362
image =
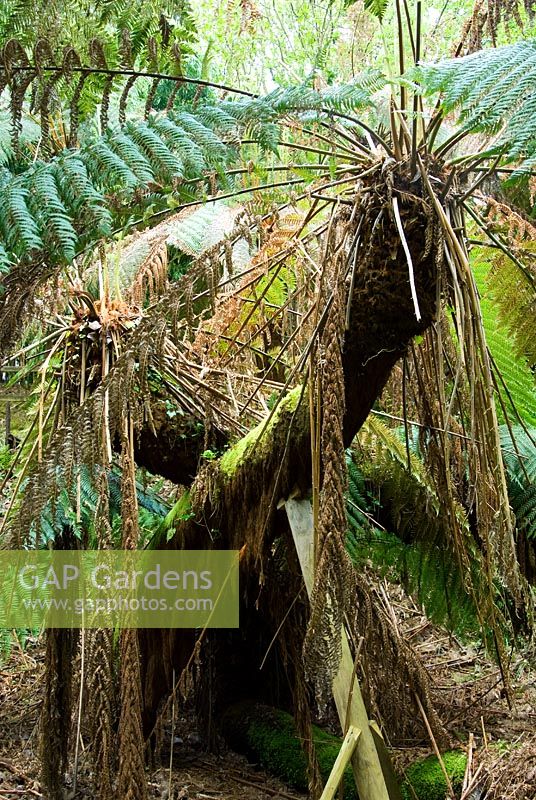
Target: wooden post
x,y
345,754
369,776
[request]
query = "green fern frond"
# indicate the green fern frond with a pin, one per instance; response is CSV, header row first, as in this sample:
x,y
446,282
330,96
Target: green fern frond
x,y
164,161
220,121
259,115
19,229
166,529
81,198
188,149
506,300
5,261
62,515
357,499
203,228
106,168
127,149
213,147
493,91
55,225
520,463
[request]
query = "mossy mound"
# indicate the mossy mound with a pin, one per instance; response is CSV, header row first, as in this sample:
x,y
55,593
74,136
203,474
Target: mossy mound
x,y
427,780
269,737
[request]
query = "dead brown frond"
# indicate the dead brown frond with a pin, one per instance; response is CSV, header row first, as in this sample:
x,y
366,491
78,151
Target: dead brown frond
x,y
55,722
131,780
333,570
505,219
486,19
391,671
100,697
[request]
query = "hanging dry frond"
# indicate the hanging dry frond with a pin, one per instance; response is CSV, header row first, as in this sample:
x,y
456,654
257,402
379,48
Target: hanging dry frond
x,y
55,722
131,780
334,575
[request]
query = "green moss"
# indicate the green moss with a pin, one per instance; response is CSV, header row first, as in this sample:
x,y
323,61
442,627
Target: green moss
x,y
427,780
269,737
235,456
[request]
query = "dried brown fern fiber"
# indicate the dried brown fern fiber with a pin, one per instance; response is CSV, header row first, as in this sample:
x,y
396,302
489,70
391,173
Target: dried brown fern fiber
x,y
489,484
322,645
131,779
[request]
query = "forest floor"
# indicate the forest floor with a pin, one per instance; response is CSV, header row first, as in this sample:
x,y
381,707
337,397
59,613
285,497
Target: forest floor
x,y
467,690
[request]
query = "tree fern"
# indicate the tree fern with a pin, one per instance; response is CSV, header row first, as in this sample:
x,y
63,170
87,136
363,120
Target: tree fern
x,y
77,184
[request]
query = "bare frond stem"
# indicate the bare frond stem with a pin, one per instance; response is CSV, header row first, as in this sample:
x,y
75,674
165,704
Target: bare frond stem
x,y
422,425
415,44
375,136
417,55
137,74
408,258
472,189
401,65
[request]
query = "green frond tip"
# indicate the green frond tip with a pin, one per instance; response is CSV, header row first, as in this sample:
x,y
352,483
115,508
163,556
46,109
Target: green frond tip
x,y
182,510
377,8
5,261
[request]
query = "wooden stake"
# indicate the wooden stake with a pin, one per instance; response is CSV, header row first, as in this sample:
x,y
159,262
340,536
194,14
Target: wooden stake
x,y
366,764
341,762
